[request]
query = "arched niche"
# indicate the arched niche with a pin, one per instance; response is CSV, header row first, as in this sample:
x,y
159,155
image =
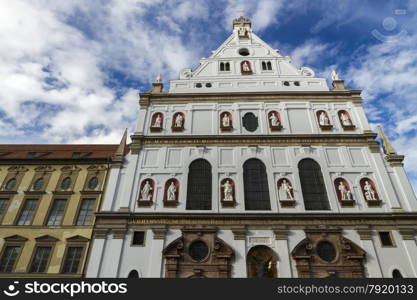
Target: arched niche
x,y
178,120
171,192
146,192
245,67
344,192
157,122
369,192
323,120
261,262
326,253
396,274
227,192
133,274
285,192
226,121
345,120
274,121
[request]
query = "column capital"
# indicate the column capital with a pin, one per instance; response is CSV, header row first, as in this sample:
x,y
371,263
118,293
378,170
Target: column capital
x,y
365,232
280,232
407,233
159,232
100,233
239,233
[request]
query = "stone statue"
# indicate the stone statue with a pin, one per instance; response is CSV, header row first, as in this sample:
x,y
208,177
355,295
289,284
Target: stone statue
x,y
158,121
171,192
245,66
226,120
345,119
274,120
242,31
369,191
178,120
145,193
323,119
159,78
344,192
285,191
335,75
227,191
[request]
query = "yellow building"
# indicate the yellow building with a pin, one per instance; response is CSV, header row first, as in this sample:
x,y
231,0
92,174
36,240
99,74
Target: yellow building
x,y
48,197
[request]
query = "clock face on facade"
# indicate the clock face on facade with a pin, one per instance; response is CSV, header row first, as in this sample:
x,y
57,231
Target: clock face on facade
x,y
250,122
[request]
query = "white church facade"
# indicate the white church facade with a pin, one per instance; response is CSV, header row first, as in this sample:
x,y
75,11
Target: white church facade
x,y
251,167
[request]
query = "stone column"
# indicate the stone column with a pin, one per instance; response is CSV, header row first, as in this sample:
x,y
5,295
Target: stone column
x,y
113,253
239,267
372,262
409,242
155,266
96,253
109,197
284,259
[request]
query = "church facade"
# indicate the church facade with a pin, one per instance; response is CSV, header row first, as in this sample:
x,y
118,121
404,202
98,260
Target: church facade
x,y
251,167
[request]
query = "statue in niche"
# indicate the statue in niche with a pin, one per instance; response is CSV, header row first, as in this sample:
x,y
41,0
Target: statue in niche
x,y
369,191
145,193
274,120
227,191
245,66
285,191
171,192
323,119
263,267
345,194
226,120
158,121
242,31
345,119
179,120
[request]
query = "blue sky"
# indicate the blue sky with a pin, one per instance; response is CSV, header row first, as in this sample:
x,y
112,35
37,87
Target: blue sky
x,y
71,70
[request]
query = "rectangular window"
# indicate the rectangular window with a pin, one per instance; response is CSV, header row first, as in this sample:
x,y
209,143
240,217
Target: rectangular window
x,y
138,238
40,260
8,259
72,260
57,212
385,237
85,215
27,212
3,205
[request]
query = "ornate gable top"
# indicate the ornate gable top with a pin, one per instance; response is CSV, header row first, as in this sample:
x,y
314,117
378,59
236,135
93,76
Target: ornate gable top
x,y
241,21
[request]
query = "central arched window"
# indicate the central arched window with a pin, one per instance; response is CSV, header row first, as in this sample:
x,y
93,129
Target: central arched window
x,y
256,185
312,184
199,185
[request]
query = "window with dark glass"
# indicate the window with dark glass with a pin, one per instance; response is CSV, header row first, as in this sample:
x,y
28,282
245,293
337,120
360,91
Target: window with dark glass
x,y
198,250
40,259
93,183
266,66
222,66
11,184
72,260
269,65
85,215
385,237
3,205
28,211
138,238
255,183
326,251
250,122
57,212
199,185
133,274
66,183
8,259
312,185
38,184
227,66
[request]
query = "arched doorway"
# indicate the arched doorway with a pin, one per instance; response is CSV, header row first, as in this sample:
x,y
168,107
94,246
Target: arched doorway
x,y
261,262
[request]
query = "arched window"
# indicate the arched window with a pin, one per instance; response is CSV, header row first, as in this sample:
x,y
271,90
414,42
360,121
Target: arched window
x,y
11,184
269,65
38,184
261,262
396,274
263,65
65,183
256,185
222,66
133,274
199,185
93,183
312,185
227,66
250,122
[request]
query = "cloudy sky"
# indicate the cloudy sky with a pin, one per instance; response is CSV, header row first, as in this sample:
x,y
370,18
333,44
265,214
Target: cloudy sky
x,y
71,70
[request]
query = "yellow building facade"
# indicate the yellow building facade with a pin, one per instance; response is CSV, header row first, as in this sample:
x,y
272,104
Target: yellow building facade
x,y
48,197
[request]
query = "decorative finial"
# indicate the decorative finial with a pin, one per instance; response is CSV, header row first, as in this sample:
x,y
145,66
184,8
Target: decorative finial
x,y
386,144
335,75
158,78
